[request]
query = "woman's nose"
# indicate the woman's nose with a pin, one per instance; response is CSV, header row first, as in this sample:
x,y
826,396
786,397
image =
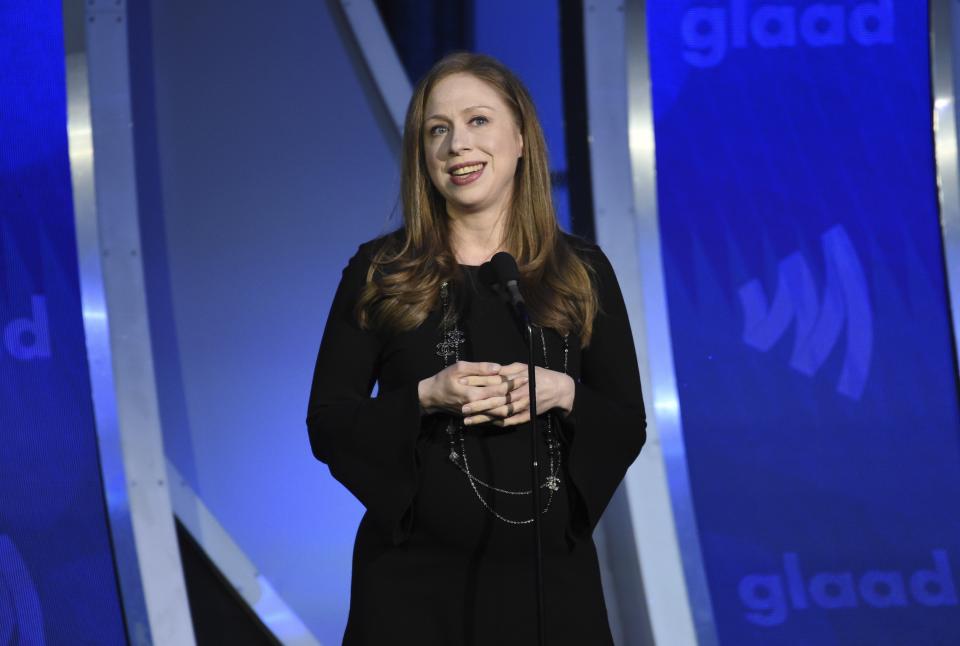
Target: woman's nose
x,y
459,140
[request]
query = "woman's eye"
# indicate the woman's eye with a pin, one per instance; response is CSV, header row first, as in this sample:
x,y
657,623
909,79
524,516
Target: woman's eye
x,y
438,130
479,120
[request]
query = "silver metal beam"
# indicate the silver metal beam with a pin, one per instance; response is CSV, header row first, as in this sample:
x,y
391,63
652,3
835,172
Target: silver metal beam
x,y
624,179
115,324
388,91
944,30
662,377
379,56
234,564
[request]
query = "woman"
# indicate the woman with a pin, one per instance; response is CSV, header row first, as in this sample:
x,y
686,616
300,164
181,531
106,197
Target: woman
x,y
440,457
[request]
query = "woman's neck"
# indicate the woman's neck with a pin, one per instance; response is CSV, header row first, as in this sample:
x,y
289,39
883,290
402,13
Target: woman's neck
x,y
476,237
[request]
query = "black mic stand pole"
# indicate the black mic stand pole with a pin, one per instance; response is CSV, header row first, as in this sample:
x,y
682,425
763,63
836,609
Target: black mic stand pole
x,y
534,469
507,276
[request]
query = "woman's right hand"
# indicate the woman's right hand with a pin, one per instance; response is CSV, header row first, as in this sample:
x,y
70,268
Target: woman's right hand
x,y
462,383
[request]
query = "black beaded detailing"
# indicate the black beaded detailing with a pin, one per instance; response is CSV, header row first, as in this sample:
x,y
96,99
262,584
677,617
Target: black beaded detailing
x,y
448,349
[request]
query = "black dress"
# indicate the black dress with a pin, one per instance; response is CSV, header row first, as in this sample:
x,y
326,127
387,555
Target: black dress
x,y
431,564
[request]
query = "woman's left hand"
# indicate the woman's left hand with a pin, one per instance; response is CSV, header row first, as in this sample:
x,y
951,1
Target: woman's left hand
x,y
555,390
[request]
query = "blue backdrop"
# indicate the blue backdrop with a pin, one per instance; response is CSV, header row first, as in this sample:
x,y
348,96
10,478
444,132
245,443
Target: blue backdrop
x,y
57,581
805,281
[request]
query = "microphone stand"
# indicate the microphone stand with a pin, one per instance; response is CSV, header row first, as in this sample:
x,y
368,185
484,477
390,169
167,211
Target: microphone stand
x,y
506,280
534,467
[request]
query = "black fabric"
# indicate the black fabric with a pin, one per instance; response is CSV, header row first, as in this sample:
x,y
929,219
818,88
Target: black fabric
x,y
431,565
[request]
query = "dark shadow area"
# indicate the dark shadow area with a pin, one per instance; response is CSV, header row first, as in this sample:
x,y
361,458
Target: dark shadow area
x,y
220,615
423,32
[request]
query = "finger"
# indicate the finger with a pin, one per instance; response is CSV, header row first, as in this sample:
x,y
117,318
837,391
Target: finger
x,y
483,405
512,385
477,419
509,409
518,411
521,391
513,368
519,418
481,380
477,368
515,381
518,373
473,394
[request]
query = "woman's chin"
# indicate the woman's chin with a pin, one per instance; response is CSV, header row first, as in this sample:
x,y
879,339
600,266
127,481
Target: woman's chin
x,y
469,204
466,206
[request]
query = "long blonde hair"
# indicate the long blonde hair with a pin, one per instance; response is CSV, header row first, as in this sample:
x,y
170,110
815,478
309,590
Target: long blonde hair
x,y
406,272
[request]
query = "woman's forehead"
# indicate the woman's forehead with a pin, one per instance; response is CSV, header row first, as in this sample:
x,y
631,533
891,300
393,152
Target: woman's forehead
x,y
461,91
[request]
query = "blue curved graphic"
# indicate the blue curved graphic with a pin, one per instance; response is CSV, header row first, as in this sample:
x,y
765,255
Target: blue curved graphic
x,y
58,582
21,621
804,270
819,322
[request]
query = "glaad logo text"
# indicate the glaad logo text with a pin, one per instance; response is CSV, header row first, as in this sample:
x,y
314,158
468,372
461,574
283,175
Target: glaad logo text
x,y
768,598
28,338
709,32
820,318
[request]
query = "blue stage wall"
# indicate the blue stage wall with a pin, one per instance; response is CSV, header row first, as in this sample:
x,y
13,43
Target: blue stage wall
x,y
805,279
272,164
57,578
529,44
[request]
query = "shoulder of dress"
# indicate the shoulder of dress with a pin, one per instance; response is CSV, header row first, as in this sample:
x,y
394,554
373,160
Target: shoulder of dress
x,y
356,273
589,252
579,244
366,253
575,241
369,249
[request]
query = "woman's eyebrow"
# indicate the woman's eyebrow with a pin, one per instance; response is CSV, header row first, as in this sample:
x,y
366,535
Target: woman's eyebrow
x,y
472,107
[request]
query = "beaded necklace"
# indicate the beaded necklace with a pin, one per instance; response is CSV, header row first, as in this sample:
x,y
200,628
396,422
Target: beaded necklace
x,y
448,349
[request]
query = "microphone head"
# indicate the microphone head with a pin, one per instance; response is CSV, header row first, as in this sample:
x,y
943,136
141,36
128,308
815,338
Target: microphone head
x,y
488,276
505,268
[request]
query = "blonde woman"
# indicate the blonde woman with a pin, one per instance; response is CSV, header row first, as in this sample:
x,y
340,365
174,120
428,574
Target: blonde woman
x,y
440,457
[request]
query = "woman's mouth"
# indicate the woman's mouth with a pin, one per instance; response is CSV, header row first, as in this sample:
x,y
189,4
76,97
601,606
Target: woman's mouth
x,y
463,175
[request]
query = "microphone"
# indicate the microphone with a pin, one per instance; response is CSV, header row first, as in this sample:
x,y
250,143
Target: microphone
x,y
504,276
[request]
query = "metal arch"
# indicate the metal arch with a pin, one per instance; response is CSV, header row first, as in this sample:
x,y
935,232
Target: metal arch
x,y
944,29
388,91
119,354
133,466
666,403
658,488
380,58
235,566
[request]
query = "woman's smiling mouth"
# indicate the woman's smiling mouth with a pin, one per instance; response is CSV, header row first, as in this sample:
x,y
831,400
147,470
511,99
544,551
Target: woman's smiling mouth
x,y
462,174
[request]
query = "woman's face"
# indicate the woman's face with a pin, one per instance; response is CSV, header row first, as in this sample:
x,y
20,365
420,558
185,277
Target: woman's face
x,y
471,144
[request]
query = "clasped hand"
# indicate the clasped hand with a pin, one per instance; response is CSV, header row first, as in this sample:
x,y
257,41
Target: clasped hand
x,y
488,392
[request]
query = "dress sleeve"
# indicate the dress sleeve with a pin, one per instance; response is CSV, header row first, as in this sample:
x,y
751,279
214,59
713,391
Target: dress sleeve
x,y
369,443
607,426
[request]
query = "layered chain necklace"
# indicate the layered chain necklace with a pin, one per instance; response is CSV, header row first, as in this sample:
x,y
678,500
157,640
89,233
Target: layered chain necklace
x,y
448,349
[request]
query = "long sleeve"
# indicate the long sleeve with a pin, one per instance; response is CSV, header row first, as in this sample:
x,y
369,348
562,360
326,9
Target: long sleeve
x,y
368,443
607,426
